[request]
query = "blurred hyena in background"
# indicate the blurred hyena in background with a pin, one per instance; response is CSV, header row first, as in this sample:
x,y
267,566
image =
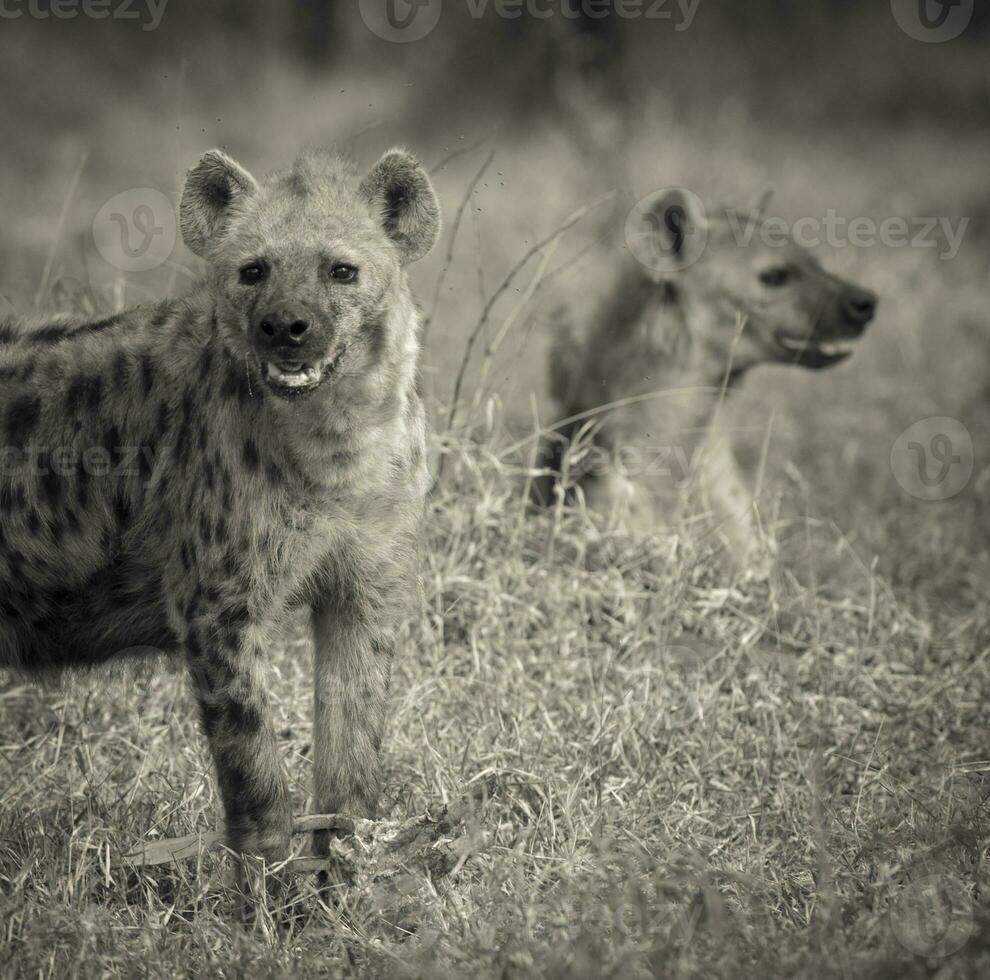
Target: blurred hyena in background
x,y
696,305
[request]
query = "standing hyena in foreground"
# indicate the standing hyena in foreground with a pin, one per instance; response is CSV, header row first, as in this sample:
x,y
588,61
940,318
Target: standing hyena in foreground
x,y
181,477
701,304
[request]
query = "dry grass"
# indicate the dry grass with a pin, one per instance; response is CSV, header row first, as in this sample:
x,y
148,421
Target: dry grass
x,y
687,778
690,776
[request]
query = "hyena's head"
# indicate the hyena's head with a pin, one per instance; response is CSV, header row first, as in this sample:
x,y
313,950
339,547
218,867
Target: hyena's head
x,y
308,268
730,269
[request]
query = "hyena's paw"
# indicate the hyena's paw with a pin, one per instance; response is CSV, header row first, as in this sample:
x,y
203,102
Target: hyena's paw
x,y
267,836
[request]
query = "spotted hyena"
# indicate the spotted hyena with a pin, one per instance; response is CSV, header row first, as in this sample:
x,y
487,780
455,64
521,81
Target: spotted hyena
x,y
673,337
180,477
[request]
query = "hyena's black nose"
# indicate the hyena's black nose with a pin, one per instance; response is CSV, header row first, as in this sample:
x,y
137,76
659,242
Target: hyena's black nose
x,y
861,306
281,330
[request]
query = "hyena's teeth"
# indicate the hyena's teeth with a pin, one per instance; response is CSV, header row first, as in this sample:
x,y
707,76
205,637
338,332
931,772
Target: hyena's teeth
x,y
296,376
829,349
833,350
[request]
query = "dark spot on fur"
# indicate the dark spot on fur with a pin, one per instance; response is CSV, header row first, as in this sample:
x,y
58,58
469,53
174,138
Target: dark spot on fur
x,y
193,645
83,391
296,184
205,529
94,394
147,373
7,498
82,487
112,440
246,804
122,506
187,406
23,415
250,456
51,482
163,421
120,368
244,719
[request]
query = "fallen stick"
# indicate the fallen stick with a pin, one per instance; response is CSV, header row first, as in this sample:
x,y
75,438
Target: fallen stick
x,y
149,854
419,838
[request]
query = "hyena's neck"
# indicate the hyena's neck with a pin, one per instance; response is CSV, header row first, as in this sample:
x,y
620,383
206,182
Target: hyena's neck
x,y
657,357
709,358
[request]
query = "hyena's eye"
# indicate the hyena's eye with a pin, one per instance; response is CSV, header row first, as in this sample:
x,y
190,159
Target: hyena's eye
x,y
253,273
344,273
776,277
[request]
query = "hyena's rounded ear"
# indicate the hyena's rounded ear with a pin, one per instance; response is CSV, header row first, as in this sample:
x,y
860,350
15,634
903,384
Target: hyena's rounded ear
x,y
214,188
401,196
667,231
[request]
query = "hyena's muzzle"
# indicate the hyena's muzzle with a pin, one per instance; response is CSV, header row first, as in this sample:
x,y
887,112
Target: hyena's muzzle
x,y
298,349
847,312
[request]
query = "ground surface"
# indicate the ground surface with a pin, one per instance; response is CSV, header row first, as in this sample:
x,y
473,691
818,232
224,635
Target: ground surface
x,y
684,775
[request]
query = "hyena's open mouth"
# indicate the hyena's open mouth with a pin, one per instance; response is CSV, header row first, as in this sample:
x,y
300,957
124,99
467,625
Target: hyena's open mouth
x,y
290,379
813,353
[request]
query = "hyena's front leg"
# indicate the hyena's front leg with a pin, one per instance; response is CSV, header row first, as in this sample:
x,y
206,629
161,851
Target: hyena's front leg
x,y
226,669
732,504
352,664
